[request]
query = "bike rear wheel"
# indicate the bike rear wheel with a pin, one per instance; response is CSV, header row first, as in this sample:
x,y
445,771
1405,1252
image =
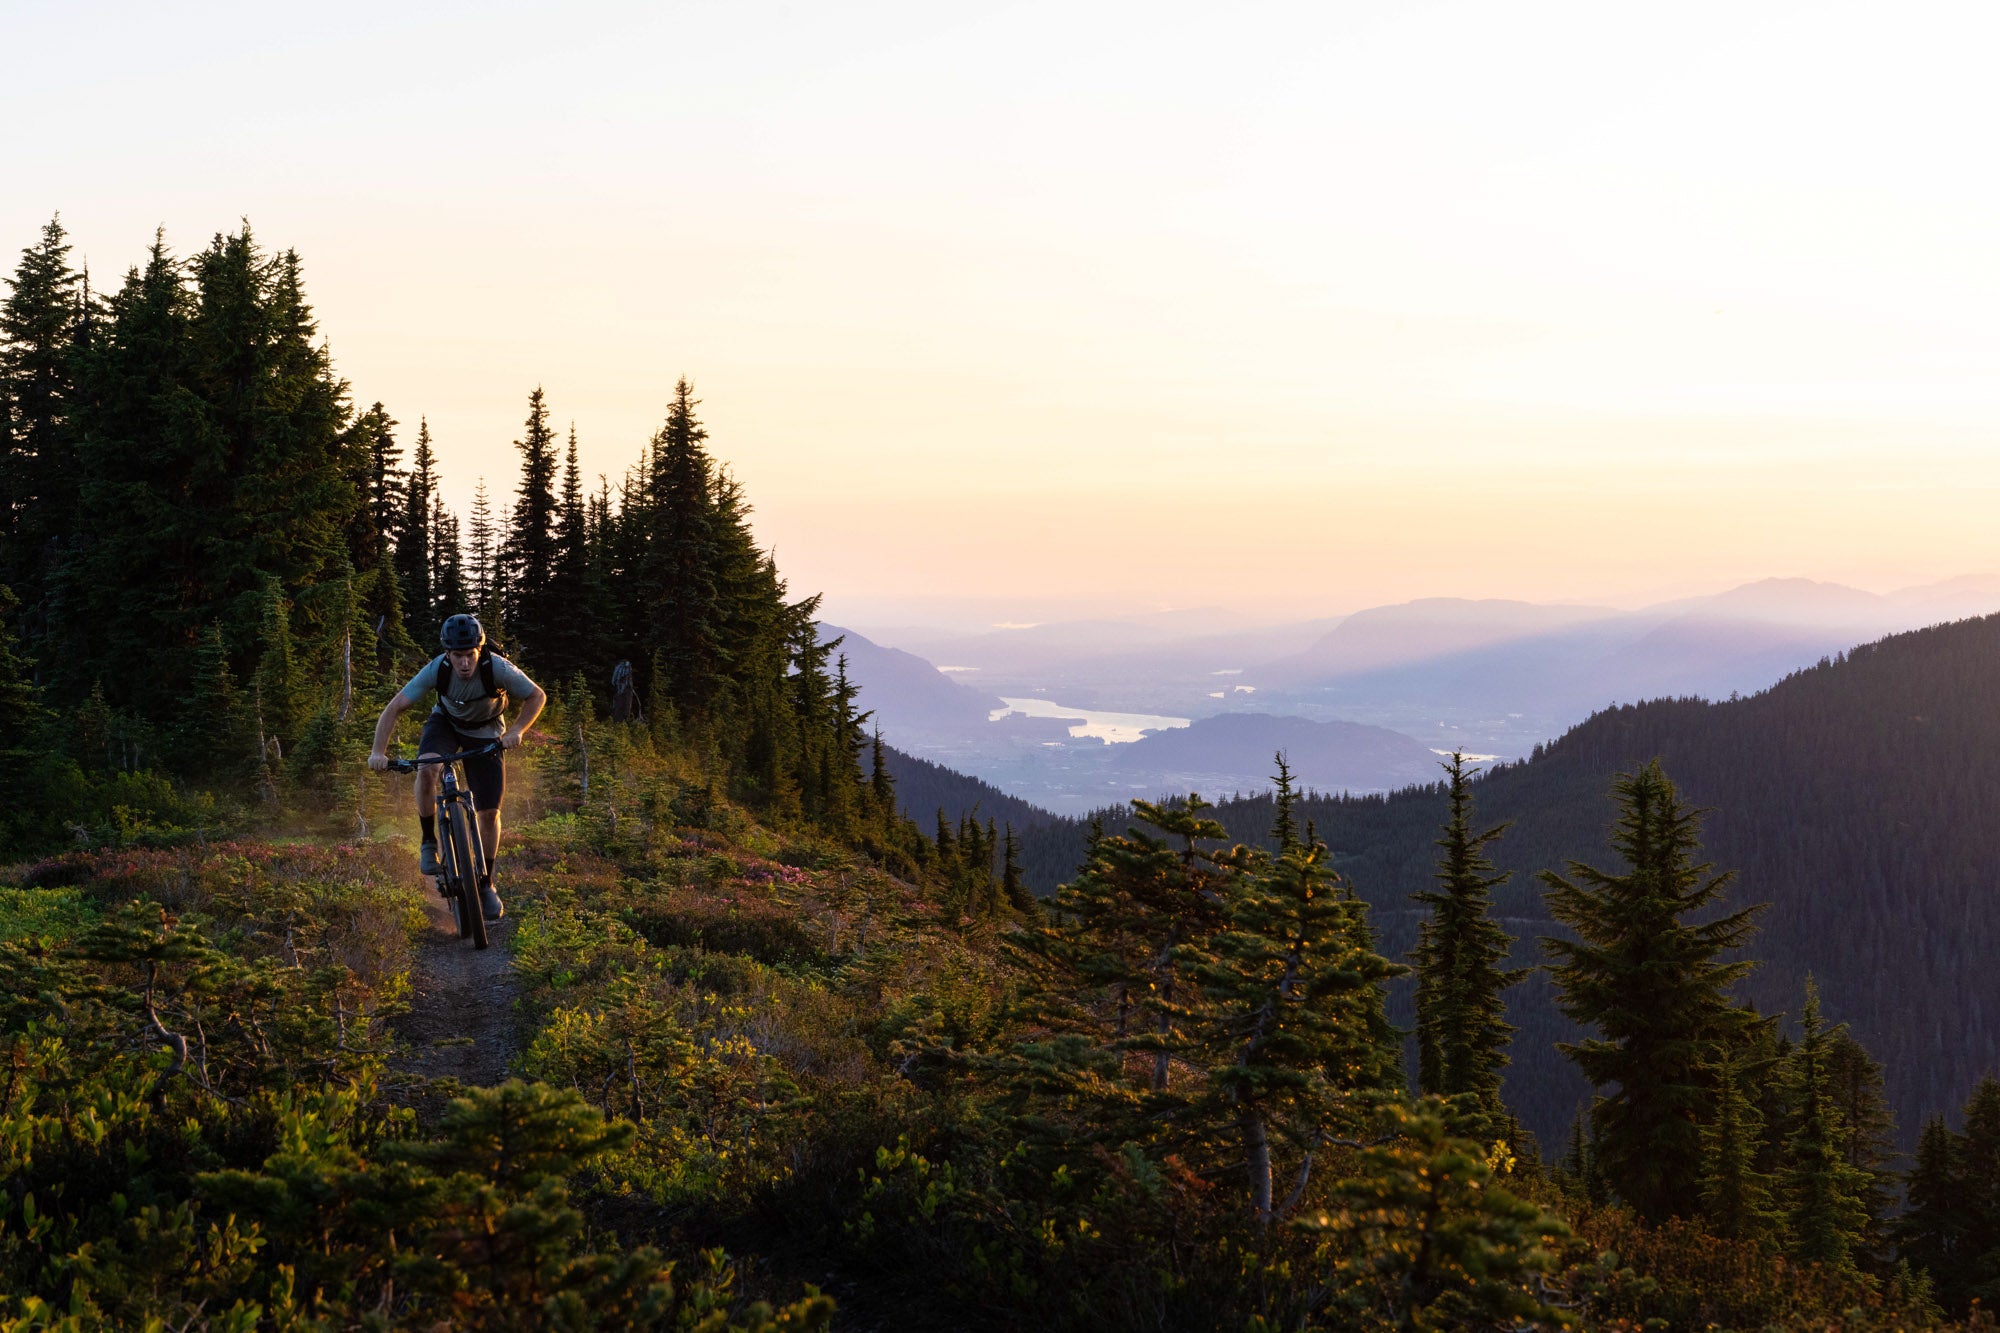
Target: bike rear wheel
x,y
471,916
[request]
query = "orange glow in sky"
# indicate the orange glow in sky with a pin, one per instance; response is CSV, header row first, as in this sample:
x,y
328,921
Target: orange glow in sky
x,y
1315,305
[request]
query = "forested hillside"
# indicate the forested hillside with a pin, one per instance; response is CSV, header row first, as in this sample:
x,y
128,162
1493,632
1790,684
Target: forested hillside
x,y
1856,798
771,1046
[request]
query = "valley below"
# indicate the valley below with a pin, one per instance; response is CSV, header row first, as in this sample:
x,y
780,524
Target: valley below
x,y
1076,716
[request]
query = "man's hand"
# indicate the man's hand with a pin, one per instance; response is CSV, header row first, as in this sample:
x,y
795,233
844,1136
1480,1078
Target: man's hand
x,y
509,739
377,760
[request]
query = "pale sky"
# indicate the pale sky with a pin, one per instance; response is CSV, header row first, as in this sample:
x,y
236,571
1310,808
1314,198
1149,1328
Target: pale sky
x,y
1328,304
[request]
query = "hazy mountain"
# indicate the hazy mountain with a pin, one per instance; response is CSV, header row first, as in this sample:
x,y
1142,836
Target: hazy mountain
x,y
1390,636
909,696
1233,752
1953,599
1495,658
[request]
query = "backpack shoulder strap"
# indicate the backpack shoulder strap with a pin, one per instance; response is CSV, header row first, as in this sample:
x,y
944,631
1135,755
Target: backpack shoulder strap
x,y
486,676
443,676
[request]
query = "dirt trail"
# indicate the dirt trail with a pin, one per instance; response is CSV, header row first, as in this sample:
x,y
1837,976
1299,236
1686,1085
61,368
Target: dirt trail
x,y
461,1022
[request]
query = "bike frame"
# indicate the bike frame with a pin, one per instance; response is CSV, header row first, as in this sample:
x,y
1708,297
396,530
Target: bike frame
x,y
461,852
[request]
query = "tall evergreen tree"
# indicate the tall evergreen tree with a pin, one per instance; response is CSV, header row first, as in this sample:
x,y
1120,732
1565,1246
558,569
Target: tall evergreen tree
x,y
279,690
1735,1195
1138,905
570,633
682,573
1867,1131
880,782
131,588
482,573
1286,992
1013,888
1284,827
1652,986
213,741
1978,1183
379,482
1931,1233
40,322
532,612
279,416
1462,1029
451,591
1826,1210
414,540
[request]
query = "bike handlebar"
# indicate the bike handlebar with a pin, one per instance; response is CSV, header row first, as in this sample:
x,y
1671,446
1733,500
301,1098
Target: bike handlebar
x,y
412,765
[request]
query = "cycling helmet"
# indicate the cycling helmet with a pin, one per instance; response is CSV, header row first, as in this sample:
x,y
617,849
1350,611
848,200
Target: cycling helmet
x,y
461,632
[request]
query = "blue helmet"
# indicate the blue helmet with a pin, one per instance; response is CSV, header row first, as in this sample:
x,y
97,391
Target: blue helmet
x,y
462,632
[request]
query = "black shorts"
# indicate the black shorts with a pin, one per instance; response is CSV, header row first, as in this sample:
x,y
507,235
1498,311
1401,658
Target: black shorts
x,y
485,777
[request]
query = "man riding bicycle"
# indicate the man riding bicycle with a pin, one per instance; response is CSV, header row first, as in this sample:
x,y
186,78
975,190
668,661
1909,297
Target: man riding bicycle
x,y
473,685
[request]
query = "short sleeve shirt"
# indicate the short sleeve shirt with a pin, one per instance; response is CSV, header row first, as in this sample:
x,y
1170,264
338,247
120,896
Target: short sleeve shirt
x,y
461,701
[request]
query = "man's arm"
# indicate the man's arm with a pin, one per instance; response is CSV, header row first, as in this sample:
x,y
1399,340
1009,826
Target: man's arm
x,y
385,726
531,708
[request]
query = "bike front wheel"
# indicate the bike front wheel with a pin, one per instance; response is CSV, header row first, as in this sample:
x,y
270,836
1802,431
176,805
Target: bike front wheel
x,y
471,916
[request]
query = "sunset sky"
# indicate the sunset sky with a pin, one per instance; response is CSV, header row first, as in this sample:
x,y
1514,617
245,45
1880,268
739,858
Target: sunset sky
x,y
1069,307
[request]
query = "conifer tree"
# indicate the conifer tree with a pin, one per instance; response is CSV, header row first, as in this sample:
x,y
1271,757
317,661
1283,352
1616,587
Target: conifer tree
x,y
379,482
1978,1185
1931,1233
1826,1213
140,516
531,610
1012,887
1462,1029
681,578
1286,992
280,696
40,322
285,459
213,741
481,553
1429,1236
450,591
880,783
1867,1130
1131,913
1284,828
414,540
1736,1197
569,644
1651,985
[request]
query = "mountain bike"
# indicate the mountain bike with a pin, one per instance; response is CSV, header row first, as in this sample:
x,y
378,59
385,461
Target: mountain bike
x,y
461,854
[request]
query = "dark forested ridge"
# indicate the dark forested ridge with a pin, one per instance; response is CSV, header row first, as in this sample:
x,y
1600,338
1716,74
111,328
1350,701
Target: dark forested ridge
x,y
922,788
1858,798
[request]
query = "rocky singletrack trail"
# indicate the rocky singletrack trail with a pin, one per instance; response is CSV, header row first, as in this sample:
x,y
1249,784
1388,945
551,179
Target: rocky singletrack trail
x,y
461,1023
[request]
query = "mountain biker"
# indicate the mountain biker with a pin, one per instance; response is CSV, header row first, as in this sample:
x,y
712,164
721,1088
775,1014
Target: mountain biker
x,y
474,685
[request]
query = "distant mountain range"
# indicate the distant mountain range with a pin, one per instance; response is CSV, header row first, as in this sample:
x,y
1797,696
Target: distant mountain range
x,y
1519,656
1859,797
1488,676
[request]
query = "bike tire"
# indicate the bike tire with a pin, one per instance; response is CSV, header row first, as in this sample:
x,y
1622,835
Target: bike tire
x,y
472,917
449,821
482,863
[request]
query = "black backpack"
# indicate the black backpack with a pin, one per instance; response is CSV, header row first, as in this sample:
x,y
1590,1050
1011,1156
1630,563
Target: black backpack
x,y
487,689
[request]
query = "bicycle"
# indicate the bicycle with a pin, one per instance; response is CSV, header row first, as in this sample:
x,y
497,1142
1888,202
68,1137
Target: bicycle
x,y
461,855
